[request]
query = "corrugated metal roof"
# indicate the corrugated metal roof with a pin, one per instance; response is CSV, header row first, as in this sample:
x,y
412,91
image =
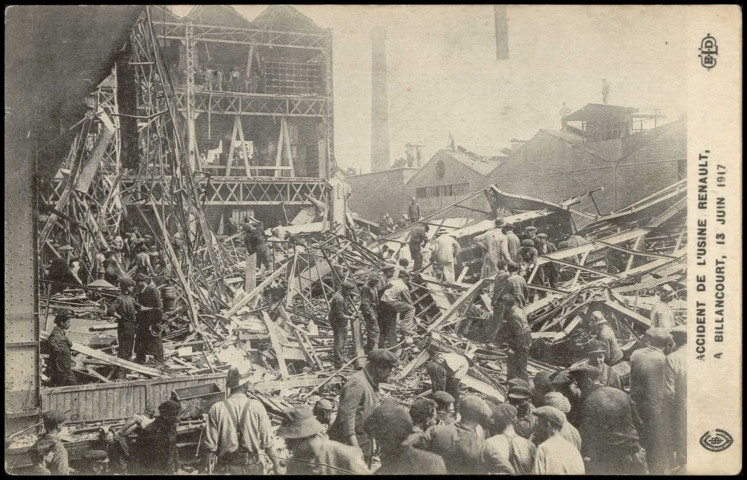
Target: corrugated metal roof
x,y
594,112
221,15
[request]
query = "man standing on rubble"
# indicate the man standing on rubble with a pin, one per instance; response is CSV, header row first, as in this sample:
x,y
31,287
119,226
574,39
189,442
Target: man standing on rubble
x,y
446,251
369,306
124,309
358,399
60,361
675,397
662,315
519,337
414,211
418,239
396,300
150,313
514,243
608,424
606,335
549,272
446,371
517,285
340,316
495,246
500,288
647,368
237,431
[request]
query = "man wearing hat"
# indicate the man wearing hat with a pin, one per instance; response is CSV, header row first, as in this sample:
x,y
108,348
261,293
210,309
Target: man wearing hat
x,y
446,250
324,412
444,401
495,248
569,432
446,371
595,353
156,450
395,300
517,284
518,337
340,315
53,420
608,424
527,256
390,425
150,313
548,271
60,361
513,242
414,210
517,451
124,309
555,456
41,454
521,398
647,367
462,445
358,398
418,239
312,454
500,287
675,397
237,431
604,333
662,315
369,310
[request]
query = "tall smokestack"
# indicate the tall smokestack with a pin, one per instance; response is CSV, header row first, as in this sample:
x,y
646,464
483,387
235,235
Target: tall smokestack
x,y
379,102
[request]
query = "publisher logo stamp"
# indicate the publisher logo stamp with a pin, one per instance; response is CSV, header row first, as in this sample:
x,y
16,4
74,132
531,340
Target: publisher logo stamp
x,y
716,440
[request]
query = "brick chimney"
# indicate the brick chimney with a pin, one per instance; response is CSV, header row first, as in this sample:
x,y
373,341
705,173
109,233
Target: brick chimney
x,y
380,158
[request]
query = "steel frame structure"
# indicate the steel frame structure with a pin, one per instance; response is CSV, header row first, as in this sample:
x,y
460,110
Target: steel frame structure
x,y
252,103
245,36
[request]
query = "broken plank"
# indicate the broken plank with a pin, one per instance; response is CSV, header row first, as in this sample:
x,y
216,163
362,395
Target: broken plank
x,y
483,388
257,291
111,359
276,345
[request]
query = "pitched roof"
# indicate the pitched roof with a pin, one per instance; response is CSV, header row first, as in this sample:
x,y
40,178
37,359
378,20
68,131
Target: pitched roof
x,y
222,15
594,112
285,18
569,137
161,14
471,160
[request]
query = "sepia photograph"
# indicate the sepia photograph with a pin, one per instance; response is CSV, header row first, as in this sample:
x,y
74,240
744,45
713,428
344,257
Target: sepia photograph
x,y
373,239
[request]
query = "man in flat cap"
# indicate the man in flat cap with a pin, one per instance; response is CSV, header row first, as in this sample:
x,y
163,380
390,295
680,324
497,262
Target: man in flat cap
x,y
150,313
446,249
41,454
312,453
674,407
662,315
444,403
513,242
595,353
501,287
555,456
515,450
418,239
604,333
527,256
549,272
359,396
518,337
517,285
156,449
53,420
609,425
647,366
124,309
369,310
395,300
324,412
390,425
446,371
495,248
462,444
60,361
237,431
568,431
521,397
340,316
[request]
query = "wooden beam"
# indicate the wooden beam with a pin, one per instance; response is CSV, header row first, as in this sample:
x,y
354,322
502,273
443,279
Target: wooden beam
x,y
460,302
276,345
257,291
110,359
250,274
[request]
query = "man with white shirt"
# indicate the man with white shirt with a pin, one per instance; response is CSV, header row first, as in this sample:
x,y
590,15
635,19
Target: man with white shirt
x,y
446,250
555,456
395,300
495,246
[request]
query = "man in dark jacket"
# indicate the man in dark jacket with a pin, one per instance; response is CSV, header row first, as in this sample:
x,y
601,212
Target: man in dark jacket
x,y
608,426
60,361
418,239
124,309
340,315
519,338
596,352
606,335
500,288
358,398
156,448
390,425
150,313
369,310
53,420
414,211
647,367
517,285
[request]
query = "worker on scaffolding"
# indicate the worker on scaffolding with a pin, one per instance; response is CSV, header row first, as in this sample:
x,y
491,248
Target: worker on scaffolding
x,y
60,361
150,314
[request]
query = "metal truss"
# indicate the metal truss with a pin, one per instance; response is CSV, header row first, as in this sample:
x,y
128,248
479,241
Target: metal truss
x,y
244,36
253,104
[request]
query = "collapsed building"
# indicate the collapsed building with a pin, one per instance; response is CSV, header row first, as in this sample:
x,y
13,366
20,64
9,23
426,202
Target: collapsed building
x,y
223,311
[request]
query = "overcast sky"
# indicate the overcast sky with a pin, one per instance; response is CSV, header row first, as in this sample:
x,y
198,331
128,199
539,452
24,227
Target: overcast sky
x,y
443,75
